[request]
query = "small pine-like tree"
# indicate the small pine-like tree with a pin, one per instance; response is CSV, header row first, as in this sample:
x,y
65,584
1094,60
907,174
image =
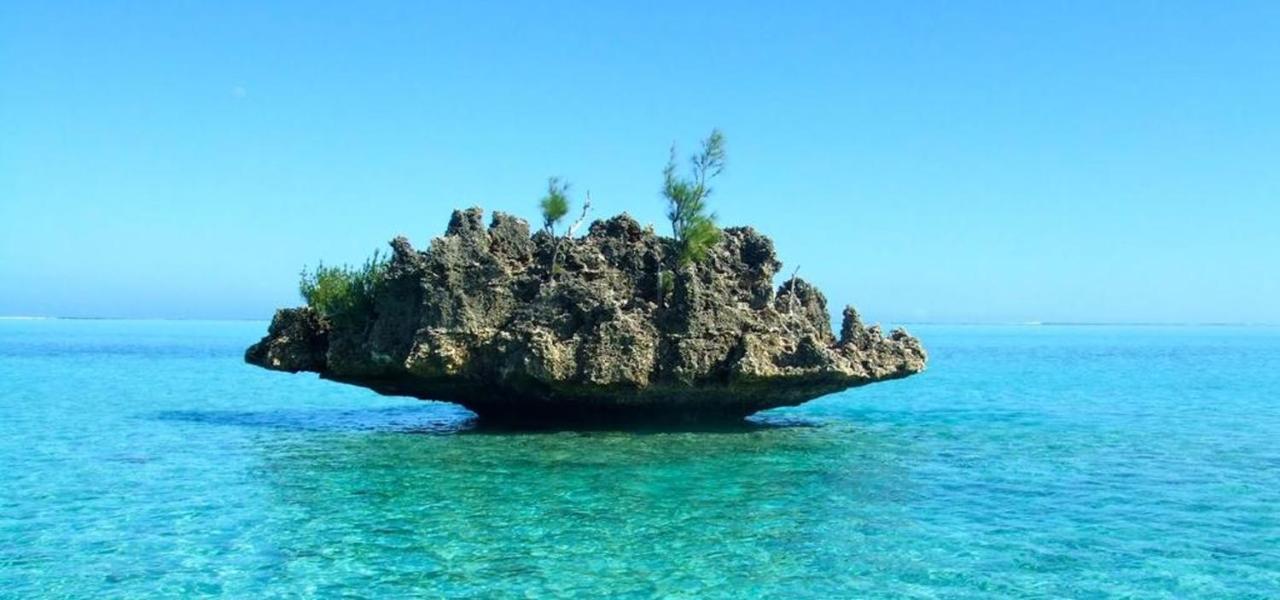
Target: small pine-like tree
x,y
692,226
555,205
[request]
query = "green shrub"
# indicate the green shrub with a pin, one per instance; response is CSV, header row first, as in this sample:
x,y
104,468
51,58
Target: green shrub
x,y
343,293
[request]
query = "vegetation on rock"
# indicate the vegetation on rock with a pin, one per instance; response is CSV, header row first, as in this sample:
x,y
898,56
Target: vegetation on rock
x,y
343,292
555,205
693,227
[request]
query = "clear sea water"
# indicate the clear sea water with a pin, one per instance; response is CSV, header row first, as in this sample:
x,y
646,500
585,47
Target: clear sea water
x,y
143,459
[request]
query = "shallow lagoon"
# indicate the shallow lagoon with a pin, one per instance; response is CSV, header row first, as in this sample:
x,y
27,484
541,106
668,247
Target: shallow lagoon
x,y
144,459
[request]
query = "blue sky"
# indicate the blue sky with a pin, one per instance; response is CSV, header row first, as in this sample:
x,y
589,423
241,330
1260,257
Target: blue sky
x,y
1008,161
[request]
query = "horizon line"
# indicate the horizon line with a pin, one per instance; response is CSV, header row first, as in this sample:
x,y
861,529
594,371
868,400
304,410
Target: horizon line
x,y
948,323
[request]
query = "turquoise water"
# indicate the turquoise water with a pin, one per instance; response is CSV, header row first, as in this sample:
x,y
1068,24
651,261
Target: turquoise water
x,y
143,459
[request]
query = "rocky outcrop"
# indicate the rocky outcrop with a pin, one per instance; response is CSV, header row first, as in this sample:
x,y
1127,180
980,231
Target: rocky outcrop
x,y
615,330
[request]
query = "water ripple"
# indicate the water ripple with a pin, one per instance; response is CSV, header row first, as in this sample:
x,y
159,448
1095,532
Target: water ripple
x,y
145,460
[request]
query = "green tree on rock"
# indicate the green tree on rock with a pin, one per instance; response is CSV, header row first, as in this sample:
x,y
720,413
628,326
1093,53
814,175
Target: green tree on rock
x,y
692,226
555,205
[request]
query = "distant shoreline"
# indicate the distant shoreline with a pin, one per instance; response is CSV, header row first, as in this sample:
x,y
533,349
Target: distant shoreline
x,y
216,320
1086,324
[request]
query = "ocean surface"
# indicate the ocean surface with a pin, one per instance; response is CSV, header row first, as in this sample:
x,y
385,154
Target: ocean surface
x,y
144,459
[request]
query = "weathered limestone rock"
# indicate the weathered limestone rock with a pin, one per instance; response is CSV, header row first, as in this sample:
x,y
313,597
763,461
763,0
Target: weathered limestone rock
x,y
616,331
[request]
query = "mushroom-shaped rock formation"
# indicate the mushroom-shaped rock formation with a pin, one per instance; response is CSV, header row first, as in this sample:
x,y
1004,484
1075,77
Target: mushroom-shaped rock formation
x,y
612,329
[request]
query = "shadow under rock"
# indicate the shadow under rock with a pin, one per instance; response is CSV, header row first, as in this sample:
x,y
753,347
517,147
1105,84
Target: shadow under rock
x,y
433,418
753,423
447,419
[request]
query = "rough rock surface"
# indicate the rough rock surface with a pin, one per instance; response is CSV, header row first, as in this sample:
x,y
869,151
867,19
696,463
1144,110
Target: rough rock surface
x,y
615,331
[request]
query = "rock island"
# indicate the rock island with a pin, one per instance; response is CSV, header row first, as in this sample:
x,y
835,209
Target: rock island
x,y
610,326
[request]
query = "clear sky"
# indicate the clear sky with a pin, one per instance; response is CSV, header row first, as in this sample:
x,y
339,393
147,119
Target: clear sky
x,y
948,161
